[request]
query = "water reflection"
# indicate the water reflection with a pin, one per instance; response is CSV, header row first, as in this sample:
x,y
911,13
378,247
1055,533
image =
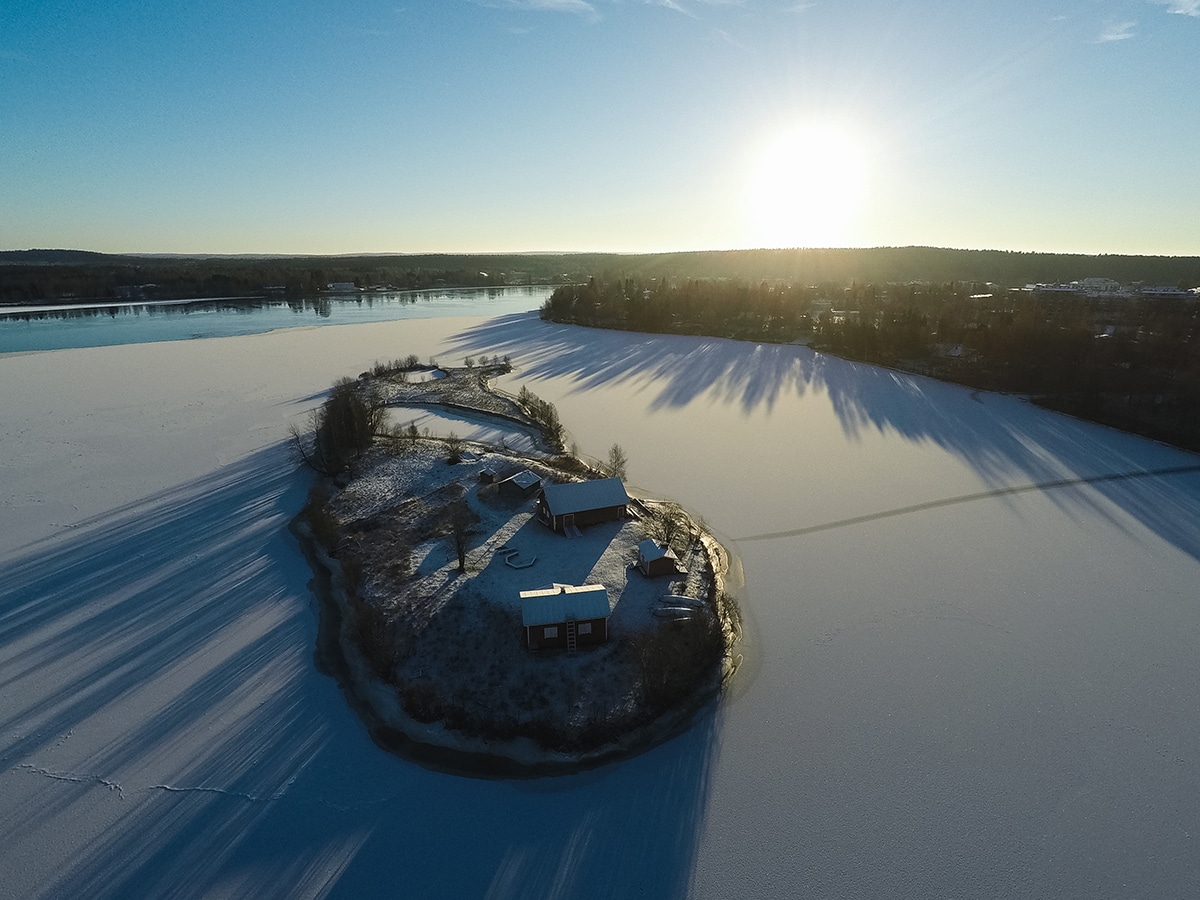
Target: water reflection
x,y
124,322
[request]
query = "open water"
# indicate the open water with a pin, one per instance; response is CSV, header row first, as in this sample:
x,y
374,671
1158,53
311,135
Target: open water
x,y
25,329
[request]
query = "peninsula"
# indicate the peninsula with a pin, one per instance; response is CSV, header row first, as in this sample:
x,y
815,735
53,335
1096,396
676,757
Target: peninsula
x,y
508,608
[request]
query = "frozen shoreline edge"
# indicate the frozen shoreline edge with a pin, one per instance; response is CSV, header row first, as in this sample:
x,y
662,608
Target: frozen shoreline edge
x,y
436,747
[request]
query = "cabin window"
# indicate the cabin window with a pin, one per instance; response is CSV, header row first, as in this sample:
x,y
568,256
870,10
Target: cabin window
x,y
585,628
551,632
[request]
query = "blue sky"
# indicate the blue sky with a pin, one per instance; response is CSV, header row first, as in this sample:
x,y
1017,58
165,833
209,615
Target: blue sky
x,y
628,125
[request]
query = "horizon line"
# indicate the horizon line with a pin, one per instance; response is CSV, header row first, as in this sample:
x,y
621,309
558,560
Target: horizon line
x,y
627,253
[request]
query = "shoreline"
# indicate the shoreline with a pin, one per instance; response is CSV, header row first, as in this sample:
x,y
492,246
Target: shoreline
x,y
435,747
489,730
1069,404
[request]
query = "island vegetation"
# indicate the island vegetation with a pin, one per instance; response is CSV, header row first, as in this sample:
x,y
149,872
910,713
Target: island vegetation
x,y
422,554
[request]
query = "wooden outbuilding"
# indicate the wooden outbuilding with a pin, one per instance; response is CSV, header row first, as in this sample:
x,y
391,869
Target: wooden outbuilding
x,y
564,616
564,507
519,486
655,559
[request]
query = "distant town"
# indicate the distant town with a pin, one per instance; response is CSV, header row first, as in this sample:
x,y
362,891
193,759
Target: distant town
x,y
1108,289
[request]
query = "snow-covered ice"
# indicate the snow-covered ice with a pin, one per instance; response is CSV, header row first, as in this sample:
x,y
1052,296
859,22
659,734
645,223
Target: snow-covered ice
x,y
968,687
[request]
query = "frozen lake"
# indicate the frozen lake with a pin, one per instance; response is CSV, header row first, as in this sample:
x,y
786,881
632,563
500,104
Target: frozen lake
x,y
972,630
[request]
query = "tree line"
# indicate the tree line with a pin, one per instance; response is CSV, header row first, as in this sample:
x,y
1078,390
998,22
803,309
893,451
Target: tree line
x,y
48,276
1132,363
181,280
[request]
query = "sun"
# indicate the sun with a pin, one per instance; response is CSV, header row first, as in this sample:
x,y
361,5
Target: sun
x,y
806,188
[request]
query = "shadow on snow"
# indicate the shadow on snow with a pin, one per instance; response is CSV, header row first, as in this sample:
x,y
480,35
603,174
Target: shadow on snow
x,y
1010,444
167,734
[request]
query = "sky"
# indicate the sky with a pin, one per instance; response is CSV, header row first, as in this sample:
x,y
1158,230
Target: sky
x,y
343,126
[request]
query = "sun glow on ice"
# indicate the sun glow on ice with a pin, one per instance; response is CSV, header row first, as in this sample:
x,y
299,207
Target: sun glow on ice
x,y
806,187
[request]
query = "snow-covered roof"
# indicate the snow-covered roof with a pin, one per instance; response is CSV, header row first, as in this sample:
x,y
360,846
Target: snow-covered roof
x,y
564,499
524,479
649,551
558,602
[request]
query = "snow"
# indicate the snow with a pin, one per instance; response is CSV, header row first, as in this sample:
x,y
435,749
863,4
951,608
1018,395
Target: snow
x,y
470,427
603,554
992,693
563,499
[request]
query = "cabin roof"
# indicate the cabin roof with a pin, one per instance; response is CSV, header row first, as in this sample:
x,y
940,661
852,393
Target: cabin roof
x,y
577,496
524,479
558,602
651,550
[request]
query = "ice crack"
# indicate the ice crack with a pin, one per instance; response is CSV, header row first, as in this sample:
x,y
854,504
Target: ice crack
x,y
238,795
75,778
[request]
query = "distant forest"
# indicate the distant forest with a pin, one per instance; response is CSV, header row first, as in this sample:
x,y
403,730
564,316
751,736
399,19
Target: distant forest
x,y
74,276
1130,363
958,315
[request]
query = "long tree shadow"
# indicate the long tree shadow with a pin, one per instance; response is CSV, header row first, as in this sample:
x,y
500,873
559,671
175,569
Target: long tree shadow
x,y
166,733
1007,442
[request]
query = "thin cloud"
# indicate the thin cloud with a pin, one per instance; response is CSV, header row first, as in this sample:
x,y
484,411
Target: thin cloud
x,y
580,7
591,8
721,34
1118,31
668,4
1180,7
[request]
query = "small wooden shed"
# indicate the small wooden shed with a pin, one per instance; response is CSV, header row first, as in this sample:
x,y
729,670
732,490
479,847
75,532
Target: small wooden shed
x,y
562,507
519,486
655,559
563,616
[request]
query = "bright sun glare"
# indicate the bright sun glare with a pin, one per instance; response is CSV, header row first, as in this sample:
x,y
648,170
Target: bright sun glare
x,y
806,188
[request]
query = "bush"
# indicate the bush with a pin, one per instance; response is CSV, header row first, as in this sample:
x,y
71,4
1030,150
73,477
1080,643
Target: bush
x,y
374,636
675,657
544,413
455,445
421,702
324,524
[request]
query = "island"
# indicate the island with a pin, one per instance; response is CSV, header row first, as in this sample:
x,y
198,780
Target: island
x,y
508,608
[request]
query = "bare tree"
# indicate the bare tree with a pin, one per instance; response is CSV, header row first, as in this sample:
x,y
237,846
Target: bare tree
x,y
617,461
460,520
669,523
342,428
